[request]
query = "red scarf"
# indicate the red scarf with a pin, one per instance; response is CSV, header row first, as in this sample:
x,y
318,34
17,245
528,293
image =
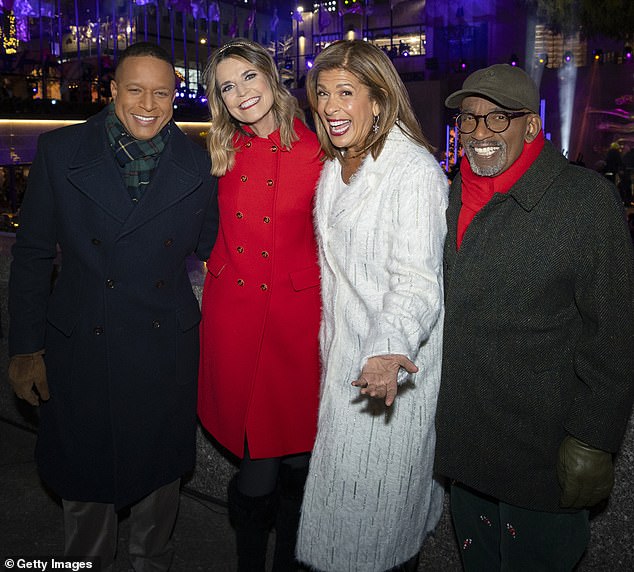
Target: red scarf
x,y
477,191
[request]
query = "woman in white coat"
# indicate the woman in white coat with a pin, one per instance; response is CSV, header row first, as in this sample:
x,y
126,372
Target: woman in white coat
x,y
370,498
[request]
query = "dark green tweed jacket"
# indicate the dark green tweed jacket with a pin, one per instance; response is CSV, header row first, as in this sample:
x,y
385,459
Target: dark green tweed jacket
x,y
539,331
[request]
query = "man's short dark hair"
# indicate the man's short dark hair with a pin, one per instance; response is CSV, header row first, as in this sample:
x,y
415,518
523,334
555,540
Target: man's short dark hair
x,y
143,49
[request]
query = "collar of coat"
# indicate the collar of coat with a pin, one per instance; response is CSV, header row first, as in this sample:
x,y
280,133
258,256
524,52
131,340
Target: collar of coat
x,y
532,186
401,161
92,164
94,144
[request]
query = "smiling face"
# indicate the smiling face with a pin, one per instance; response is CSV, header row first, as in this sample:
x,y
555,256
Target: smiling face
x,y
143,90
489,153
345,108
247,94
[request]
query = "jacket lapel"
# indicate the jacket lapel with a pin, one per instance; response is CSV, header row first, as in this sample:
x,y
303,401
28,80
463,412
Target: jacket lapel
x,y
175,178
94,172
539,177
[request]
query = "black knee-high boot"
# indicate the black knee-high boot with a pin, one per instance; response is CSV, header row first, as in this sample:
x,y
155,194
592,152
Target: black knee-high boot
x,y
252,518
291,487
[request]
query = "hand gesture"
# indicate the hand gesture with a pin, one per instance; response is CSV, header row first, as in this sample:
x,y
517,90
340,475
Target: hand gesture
x,y
379,376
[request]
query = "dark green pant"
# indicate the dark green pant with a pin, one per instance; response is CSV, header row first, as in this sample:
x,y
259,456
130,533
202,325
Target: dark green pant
x,y
493,535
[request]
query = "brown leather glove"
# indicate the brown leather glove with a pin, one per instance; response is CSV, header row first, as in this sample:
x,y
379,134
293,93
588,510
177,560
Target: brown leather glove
x,y
27,371
586,475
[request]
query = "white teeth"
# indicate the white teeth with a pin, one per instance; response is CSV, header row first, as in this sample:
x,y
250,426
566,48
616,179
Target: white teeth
x,y
484,151
249,102
339,126
144,119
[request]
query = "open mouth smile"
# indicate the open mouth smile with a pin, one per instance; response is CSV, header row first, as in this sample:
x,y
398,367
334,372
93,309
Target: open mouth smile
x,y
144,119
249,103
339,126
485,152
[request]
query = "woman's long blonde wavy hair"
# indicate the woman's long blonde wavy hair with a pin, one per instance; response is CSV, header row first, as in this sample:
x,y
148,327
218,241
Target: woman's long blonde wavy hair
x,y
371,66
223,126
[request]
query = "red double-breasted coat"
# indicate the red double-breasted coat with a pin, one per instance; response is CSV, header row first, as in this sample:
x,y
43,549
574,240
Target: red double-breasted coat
x,y
259,360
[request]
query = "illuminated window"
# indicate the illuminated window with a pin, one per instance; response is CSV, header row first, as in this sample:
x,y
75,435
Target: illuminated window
x,y
402,44
554,50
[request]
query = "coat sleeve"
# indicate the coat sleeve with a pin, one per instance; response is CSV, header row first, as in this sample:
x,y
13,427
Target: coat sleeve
x,y
414,300
34,251
209,230
604,295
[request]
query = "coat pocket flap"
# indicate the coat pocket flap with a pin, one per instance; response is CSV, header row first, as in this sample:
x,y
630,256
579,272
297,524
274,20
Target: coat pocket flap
x,y
305,278
215,264
63,321
188,317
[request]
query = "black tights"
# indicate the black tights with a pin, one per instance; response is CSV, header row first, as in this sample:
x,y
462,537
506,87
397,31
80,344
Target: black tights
x,y
258,477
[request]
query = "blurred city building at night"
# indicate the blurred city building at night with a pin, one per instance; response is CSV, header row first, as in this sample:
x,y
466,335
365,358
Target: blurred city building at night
x,y
57,58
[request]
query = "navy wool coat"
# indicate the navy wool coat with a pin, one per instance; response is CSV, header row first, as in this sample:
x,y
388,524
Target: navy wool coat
x,y
120,326
539,332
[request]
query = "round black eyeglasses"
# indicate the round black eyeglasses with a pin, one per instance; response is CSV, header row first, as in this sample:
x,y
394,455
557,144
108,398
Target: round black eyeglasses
x,y
496,121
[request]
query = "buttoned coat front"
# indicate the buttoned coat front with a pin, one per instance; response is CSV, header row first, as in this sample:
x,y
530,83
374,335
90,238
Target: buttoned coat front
x,y
120,325
539,331
370,497
259,365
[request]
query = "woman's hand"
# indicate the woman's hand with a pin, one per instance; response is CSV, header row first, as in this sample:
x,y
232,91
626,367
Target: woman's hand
x,y
379,376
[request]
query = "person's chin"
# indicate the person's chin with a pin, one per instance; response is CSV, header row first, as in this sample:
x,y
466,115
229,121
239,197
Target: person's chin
x,y
486,168
143,136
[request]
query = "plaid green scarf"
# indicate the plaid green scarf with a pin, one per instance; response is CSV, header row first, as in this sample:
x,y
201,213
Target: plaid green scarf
x,y
137,157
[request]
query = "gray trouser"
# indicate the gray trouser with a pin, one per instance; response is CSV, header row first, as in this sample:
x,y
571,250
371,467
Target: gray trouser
x,y
91,530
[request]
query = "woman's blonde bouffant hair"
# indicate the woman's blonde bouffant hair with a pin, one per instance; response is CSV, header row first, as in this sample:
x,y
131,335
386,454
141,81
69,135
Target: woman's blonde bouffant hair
x,y
223,125
371,66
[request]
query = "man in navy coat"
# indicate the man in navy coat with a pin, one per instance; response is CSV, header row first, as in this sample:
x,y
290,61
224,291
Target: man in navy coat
x,y
112,348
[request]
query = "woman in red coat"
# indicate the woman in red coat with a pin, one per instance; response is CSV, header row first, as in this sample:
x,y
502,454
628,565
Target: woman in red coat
x,y
259,366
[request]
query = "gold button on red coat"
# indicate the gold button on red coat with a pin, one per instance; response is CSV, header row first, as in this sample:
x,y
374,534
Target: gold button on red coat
x,y
267,219
265,254
270,182
274,148
239,214
240,249
263,287
240,282
243,178
247,144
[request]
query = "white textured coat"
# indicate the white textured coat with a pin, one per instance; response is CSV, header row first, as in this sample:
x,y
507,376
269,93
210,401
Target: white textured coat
x,y
370,497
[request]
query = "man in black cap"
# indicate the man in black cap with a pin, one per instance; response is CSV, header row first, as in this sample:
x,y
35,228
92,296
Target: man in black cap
x,y
112,350
537,383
